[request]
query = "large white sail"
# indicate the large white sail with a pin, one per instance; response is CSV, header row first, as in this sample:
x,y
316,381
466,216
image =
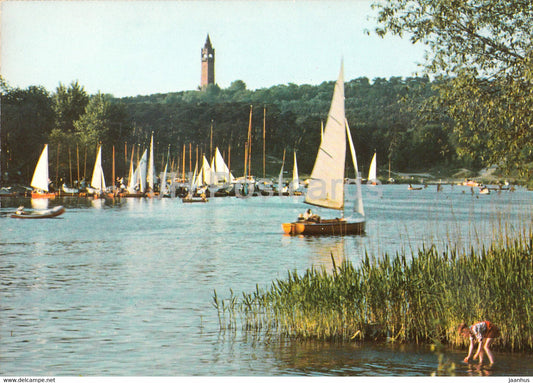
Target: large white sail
x,y
326,186
221,168
98,181
206,172
151,170
295,183
40,176
372,171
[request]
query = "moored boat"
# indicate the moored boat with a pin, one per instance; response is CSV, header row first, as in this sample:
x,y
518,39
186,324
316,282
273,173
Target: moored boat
x,y
38,214
40,179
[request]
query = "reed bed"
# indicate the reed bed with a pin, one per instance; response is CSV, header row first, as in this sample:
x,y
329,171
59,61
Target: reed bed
x,y
419,298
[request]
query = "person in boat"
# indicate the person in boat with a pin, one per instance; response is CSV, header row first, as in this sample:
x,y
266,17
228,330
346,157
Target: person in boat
x,y
20,210
309,216
484,333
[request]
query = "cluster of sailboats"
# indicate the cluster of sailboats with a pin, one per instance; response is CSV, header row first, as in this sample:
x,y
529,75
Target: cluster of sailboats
x,y
325,187
210,179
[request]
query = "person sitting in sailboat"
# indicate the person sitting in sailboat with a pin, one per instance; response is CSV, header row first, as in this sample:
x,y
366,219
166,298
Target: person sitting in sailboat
x,y
309,216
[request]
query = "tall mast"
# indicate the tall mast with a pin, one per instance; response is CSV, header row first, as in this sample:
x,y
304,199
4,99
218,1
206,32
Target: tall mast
x,y
57,167
264,138
250,143
78,163
113,172
183,163
211,142
69,167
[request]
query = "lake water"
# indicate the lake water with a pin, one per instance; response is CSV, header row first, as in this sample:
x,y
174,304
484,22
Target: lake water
x,y
125,287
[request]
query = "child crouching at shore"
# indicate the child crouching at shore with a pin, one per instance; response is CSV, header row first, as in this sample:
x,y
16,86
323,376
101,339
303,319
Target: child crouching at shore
x,y
484,333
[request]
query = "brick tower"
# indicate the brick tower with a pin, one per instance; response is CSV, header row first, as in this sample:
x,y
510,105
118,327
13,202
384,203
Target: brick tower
x,y
208,64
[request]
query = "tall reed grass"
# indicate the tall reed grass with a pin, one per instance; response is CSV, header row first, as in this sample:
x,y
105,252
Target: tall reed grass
x,y
419,298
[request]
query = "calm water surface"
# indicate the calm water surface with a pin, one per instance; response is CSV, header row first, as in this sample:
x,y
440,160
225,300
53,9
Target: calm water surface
x,y
125,287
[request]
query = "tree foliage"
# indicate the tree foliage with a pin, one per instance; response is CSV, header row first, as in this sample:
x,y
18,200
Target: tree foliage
x,y
69,105
381,114
481,50
27,118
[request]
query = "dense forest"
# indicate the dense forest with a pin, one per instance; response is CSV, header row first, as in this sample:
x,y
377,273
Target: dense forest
x,y
382,114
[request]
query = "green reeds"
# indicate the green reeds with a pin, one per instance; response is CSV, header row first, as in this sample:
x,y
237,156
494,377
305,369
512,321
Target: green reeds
x,y
419,298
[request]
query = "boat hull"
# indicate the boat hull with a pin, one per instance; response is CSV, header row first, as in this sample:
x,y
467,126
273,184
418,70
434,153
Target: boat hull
x,y
43,195
193,200
325,227
51,213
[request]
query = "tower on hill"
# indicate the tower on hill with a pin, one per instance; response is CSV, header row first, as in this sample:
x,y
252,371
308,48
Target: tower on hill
x,y
208,64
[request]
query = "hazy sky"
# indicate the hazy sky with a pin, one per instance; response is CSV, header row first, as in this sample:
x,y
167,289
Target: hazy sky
x,y
128,48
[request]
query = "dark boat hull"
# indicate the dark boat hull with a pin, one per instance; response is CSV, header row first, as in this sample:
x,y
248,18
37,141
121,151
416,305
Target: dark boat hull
x,y
325,227
39,215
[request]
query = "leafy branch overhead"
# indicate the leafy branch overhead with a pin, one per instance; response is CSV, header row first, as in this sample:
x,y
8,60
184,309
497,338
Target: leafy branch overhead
x,y
483,48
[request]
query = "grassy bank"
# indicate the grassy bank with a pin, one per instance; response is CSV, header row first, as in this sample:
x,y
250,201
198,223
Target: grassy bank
x,y
419,298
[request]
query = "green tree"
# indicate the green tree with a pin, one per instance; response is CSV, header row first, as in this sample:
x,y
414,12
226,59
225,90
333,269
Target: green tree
x,y
27,118
482,51
103,121
69,104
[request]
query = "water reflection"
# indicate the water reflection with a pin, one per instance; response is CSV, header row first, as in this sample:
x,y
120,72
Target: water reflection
x,y
39,203
117,287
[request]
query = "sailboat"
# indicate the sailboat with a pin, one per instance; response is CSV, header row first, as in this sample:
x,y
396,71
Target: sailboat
x,y
372,177
294,185
195,183
97,181
39,180
224,176
326,185
150,176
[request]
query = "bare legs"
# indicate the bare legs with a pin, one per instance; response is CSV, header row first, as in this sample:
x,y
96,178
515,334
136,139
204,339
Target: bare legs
x,y
484,348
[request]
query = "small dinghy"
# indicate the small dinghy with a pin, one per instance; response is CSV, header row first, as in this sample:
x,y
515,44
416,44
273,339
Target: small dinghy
x,y
47,213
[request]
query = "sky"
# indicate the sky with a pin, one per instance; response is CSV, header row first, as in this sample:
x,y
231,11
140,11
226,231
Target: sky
x,y
129,48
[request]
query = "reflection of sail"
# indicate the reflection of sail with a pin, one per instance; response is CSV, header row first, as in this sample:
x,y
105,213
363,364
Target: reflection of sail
x,y
98,203
39,203
321,250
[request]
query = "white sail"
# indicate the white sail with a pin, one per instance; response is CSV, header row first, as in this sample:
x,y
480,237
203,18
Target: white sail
x,y
295,183
141,172
352,149
213,177
372,171
40,176
358,206
132,179
199,177
326,186
194,180
98,180
163,188
151,170
206,172
221,168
